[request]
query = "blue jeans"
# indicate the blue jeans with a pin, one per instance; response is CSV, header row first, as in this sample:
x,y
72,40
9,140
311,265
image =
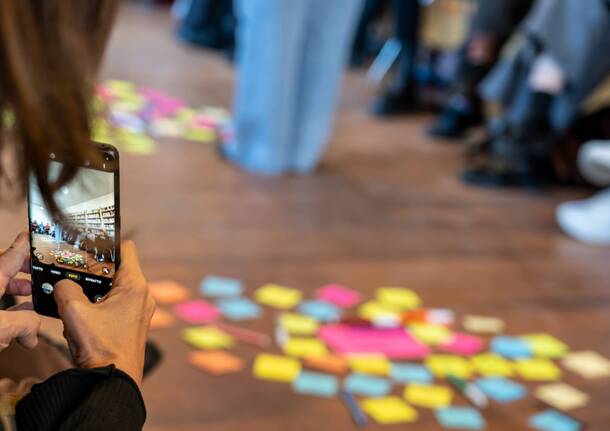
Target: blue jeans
x,y
291,57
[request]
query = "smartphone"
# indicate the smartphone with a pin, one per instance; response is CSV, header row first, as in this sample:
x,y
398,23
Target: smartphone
x,y
85,247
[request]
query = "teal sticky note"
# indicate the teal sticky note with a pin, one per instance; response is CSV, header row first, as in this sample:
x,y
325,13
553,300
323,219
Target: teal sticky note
x,y
368,386
219,287
552,420
239,308
460,418
511,347
501,390
320,310
410,373
323,385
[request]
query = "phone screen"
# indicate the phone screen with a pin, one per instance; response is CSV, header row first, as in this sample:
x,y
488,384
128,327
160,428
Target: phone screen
x,y
85,246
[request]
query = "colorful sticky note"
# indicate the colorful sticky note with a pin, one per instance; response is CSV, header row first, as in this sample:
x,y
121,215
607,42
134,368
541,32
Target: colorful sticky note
x,y
239,308
370,364
276,368
430,334
320,310
196,311
371,310
161,319
460,418
551,420
389,410
298,324
501,390
462,344
339,295
490,364
410,373
429,396
561,396
546,346
511,347
219,287
368,386
216,362
168,292
449,365
274,295
208,337
329,363
135,143
398,297
588,364
537,369
304,347
322,385
200,134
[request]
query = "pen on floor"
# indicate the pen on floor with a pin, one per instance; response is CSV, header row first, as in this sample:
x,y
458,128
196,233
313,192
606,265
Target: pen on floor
x,y
470,391
355,412
245,335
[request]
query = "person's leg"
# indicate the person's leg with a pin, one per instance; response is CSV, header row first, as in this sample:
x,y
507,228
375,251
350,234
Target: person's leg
x,y
269,48
326,51
370,12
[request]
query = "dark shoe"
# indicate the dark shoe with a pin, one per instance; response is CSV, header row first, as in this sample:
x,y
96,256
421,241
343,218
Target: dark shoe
x,y
498,171
452,123
395,103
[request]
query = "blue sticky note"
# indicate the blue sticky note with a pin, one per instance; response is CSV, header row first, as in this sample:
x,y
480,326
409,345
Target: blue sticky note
x,y
501,390
239,308
552,420
511,347
323,385
368,386
460,417
410,373
219,287
320,310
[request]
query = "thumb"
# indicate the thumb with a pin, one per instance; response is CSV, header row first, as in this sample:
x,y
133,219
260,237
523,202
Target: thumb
x,y
67,292
21,324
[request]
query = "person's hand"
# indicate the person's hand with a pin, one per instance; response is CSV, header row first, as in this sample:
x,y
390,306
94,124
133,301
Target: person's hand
x,y
114,330
18,322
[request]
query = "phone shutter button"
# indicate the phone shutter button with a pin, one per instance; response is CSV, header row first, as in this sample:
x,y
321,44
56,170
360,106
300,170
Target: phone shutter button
x,y
47,288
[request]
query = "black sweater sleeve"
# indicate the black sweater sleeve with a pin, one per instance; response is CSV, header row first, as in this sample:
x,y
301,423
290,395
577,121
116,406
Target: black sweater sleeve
x,y
99,399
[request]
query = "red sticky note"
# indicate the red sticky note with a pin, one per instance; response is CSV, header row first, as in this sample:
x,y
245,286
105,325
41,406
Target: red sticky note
x,y
462,344
339,295
197,311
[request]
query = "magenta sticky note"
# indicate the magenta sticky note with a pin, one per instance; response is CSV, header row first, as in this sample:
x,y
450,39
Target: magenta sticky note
x,y
197,311
463,344
393,343
339,295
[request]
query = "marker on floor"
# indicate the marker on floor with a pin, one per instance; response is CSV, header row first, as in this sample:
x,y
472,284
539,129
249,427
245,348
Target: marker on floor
x,y
355,412
470,391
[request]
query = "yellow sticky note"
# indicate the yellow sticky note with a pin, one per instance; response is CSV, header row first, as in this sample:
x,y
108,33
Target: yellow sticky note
x,y
277,368
298,324
398,297
561,396
537,369
305,347
135,143
430,396
201,134
546,346
449,365
371,310
389,410
492,365
278,296
207,337
430,334
588,364
370,364
121,88
483,324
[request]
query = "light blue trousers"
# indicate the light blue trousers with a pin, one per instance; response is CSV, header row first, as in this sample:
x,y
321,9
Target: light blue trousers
x,y
291,59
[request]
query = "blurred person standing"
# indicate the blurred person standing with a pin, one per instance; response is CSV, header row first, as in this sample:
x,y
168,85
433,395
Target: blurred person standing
x,y
291,58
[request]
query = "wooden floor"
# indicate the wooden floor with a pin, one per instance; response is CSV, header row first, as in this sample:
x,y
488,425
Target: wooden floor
x,y
385,208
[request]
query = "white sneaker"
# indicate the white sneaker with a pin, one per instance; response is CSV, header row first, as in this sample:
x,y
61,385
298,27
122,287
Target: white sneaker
x,y
594,162
587,220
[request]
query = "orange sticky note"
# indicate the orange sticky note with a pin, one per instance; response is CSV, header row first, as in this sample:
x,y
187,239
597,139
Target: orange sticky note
x,y
328,363
216,362
168,292
162,319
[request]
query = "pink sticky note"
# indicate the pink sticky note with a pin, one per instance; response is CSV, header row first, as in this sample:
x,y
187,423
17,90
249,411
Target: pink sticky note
x,y
197,311
169,106
153,94
204,121
463,344
339,295
393,343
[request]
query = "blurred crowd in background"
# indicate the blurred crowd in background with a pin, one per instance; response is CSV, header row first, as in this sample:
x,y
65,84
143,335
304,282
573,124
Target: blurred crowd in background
x,y
523,85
